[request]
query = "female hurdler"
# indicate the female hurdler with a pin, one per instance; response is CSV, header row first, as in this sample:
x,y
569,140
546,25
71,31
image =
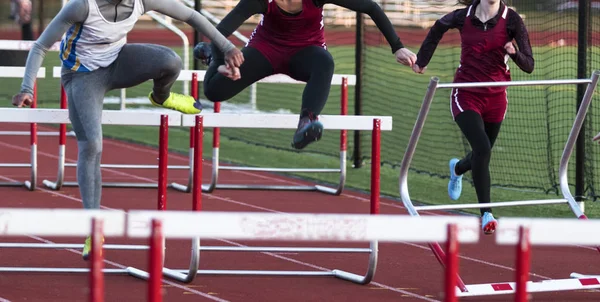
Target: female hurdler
x,y
96,59
487,29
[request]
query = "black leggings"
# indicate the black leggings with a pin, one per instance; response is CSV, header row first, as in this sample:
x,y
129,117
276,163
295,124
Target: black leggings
x,y
481,137
313,65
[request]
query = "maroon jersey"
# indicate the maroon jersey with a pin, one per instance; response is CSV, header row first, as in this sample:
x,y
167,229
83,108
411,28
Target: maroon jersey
x,y
294,31
483,57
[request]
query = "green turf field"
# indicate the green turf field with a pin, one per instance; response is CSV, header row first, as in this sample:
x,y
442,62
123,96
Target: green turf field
x,y
394,90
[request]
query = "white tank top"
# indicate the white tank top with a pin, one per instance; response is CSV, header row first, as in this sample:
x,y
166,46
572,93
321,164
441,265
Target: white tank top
x,y
96,42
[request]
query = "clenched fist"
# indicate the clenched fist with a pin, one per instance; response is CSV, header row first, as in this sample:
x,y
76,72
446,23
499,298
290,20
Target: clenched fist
x,y
405,57
22,99
510,48
234,58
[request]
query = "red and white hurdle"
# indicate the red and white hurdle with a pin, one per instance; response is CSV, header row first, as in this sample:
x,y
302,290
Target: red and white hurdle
x,y
195,77
19,72
344,81
527,232
275,121
59,183
592,83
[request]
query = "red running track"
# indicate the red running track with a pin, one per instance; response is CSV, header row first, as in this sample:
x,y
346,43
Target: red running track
x,y
405,272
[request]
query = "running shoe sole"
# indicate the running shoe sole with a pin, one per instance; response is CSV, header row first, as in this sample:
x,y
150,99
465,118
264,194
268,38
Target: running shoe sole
x,y
312,134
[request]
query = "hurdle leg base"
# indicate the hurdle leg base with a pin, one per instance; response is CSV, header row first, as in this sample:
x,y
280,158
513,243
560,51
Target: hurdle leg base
x,y
29,185
184,276
579,276
51,185
358,279
181,188
138,273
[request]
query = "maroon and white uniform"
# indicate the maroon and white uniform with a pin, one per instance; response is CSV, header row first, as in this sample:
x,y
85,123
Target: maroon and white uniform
x,y
280,35
483,58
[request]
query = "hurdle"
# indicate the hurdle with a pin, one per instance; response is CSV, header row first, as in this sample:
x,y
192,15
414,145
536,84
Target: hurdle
x,y
295,227
526,232
564,162
19,72
112,117
343,80
16,222
277,121
59,183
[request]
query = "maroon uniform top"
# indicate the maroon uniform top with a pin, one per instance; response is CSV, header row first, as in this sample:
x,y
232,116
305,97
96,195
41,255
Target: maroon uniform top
x,y
483,57
279,27
283,29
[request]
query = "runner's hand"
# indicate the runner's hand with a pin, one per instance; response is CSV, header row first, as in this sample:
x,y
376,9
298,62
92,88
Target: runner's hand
x,y
232,73
510,48
22,99
416,68
234,58
405,57
597,138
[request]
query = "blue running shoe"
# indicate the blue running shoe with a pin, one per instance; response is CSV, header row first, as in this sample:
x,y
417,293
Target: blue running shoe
x,y
488,223
455,183
309,130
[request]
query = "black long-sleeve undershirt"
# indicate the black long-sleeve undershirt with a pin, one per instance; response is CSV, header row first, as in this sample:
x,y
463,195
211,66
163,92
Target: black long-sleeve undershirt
x,y
515,28
247,8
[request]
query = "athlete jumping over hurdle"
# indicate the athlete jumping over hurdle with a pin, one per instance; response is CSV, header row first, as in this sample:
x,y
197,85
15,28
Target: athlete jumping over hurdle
x,y
487,29
96,59
290,39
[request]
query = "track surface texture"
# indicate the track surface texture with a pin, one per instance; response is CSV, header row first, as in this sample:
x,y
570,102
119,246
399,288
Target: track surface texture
x,y
405,271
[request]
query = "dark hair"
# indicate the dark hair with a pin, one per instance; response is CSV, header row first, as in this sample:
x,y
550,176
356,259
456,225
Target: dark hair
x,y
470,2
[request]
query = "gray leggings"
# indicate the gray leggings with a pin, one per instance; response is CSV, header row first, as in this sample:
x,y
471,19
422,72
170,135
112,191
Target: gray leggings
x,y
137,63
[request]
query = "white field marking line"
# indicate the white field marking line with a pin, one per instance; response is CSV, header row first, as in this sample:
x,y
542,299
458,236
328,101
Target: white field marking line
x,y
4,300
343,194
182,287
124,267
328,270
223,199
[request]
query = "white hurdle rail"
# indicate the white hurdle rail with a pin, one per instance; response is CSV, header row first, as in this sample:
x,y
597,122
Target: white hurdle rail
x,y
343,81
19,72
563,168
59,183
275,121
526,232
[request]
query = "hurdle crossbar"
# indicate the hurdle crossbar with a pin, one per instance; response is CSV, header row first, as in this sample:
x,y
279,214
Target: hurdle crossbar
x,y
19,72
221,120
563,168
338,79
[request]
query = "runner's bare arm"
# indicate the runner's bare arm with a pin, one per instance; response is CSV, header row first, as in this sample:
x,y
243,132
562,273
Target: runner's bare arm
x,y
75,11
